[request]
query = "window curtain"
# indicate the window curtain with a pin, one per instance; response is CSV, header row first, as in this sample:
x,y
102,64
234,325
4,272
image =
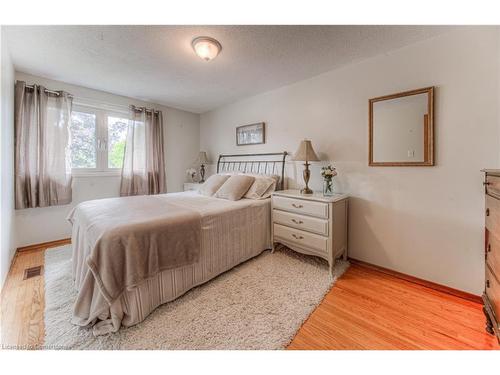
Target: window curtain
x,y
42,163
143,171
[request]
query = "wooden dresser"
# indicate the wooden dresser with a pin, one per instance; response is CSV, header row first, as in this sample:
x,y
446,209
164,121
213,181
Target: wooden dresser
x,y
491,296
311,224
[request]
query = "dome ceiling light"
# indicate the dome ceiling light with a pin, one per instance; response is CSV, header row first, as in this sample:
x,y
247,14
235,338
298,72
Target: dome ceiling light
x,y
206,48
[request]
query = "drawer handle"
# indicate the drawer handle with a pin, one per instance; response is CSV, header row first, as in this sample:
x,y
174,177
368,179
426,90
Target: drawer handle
x,y
486,183
487,212
297,221
489,248
297,205
297,237
487,283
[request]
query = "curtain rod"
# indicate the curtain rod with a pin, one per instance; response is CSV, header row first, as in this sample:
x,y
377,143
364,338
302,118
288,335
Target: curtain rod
x,y
141,109
32,87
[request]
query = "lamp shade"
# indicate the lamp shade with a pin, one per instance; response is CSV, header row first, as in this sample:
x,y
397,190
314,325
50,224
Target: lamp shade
x,y
305,152
202,158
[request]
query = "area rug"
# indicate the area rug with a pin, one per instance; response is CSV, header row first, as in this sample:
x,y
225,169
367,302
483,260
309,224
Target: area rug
x,y
259,304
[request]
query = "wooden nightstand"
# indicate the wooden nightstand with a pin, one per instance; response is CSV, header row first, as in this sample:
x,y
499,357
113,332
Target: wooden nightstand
x,y
311,224
191,186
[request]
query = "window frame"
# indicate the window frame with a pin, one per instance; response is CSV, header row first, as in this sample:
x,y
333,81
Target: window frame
x,y
102,142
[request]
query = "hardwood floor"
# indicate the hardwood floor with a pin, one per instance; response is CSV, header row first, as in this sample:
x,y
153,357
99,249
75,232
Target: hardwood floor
x,y
366,309
23,303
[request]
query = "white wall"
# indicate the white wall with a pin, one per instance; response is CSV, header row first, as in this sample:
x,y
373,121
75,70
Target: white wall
x,y
423,221
182,138
7,246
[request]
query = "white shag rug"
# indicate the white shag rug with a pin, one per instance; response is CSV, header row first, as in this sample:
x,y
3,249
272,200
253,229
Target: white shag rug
x,y
259,304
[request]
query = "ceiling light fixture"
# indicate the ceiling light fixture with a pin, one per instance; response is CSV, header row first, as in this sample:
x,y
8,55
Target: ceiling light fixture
x,y
206,48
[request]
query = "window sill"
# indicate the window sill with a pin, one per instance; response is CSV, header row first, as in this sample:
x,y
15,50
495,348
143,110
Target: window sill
x,y
77,174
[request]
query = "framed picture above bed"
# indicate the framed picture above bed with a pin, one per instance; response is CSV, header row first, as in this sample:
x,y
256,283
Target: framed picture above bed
x,y
252,134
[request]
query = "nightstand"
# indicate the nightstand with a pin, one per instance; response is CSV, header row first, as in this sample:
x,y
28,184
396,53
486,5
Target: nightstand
x,y
311,224
191,186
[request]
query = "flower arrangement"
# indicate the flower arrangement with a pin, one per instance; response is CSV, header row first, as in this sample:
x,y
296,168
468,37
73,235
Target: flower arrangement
x,y
328,173
191,172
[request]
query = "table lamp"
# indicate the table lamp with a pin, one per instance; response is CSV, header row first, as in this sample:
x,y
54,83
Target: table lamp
x,y
202,160
306,153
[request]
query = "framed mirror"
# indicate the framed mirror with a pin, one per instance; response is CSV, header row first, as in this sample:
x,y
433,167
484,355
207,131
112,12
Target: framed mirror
x,y
402,129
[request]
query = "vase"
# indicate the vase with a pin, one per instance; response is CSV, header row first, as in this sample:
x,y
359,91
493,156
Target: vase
x,y
327,187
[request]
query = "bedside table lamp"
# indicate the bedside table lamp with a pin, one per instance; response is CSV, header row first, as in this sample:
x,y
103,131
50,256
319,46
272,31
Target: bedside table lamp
x,y
306,153
202,160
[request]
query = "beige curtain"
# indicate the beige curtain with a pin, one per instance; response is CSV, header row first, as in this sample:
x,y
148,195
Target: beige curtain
x,y
42,160
144,164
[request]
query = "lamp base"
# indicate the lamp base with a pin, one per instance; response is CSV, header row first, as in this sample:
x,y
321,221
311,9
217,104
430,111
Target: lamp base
x,y
306,191
202,174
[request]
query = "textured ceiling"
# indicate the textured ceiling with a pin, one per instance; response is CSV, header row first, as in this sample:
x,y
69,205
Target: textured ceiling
x,y
157,64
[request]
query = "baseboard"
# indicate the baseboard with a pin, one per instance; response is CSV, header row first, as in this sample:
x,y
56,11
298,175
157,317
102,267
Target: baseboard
x,y
45,245
416,280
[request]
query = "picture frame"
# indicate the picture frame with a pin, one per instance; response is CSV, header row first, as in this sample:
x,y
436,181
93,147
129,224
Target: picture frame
x,y
251,134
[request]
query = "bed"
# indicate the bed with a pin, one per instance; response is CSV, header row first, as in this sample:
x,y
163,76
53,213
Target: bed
x,y
230,232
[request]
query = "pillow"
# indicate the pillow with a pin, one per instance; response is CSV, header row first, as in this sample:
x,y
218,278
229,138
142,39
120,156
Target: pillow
x,y
212,184
275,177
259,187
269,191
235,187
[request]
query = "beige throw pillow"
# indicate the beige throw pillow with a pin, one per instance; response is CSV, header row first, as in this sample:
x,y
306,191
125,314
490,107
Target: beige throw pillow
x,y
235,187
212,184
275,177
269,191
259,187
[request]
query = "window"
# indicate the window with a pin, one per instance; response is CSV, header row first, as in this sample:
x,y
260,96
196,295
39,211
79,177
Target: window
x,y
117,134
83,140
98,139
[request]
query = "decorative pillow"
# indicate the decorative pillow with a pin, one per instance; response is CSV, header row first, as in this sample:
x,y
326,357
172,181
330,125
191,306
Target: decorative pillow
x,y
260,186
275,177
235,187
212,184
269,191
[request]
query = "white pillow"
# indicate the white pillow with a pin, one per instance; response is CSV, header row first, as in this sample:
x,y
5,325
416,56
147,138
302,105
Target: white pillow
x,y
260,187
235,187
275,177
212,184
269,191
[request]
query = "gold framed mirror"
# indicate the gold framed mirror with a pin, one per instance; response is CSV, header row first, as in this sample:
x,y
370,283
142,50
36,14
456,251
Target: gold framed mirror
x,y
401,129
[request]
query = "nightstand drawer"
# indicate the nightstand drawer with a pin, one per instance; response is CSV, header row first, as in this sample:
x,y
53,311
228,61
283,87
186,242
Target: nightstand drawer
x,y
301,238
307,223
317,209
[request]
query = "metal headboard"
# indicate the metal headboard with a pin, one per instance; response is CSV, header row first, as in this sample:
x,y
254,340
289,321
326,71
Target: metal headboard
x,y
237,163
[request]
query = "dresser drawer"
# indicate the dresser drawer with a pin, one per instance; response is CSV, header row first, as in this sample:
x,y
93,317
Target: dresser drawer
x,y
493,215
317,209
493,185
301,238
307,223
493,291
493,252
